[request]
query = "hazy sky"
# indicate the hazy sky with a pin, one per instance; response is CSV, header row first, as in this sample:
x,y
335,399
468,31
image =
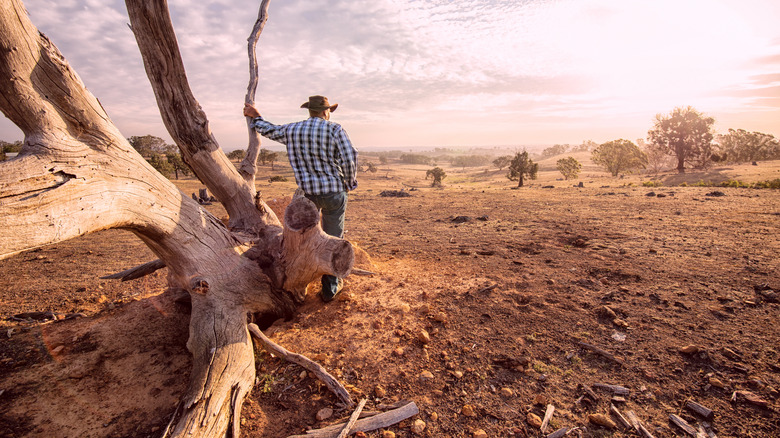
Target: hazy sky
x,y
452,73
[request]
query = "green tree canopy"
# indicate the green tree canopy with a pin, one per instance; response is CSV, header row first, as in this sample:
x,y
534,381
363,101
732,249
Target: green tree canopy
x,y
569,167
741,146
437,174
522,166
619,156
554,150
161,164
502,162
237,154
177,163
685,133
148,145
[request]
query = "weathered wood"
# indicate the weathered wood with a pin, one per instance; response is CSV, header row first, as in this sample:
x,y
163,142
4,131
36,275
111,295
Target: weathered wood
x,y
384,419
615,389
616,412
352,419
702,411
136,272
78,174
248,167
601,352
638,426
682,424
559,433
329,381
547,417
185,120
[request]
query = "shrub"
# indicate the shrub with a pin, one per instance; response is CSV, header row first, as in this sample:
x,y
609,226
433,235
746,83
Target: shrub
x,y
277,178
652,184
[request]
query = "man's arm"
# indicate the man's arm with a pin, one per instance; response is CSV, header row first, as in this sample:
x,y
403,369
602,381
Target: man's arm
x,y
266,129
348,158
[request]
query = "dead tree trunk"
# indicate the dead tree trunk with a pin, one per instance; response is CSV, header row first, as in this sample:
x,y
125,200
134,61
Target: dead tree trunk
x,y
77,174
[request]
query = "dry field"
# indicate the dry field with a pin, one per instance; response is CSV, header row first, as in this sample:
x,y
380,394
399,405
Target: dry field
x,y
513,295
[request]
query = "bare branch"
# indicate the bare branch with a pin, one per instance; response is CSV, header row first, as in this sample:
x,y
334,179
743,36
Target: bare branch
x,y
248,168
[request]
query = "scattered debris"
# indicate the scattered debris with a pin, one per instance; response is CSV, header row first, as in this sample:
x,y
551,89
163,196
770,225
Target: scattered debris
x,y
702,411
395,194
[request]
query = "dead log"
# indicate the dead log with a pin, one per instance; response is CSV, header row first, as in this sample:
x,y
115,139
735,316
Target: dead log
x,y
615,389
687,428
77,174
384,419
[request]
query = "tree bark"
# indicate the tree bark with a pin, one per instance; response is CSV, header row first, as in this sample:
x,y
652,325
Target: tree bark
x,y
77,174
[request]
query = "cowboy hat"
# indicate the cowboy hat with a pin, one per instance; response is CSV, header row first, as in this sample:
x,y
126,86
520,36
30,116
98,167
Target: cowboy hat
x,y
319,103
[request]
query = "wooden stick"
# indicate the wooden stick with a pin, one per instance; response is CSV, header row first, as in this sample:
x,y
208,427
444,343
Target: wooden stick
x,y
640,428
600,352
356,271
682,424
547,416
616,412
305,362
558,433
699,409
616,389
136,272
384,419
352,419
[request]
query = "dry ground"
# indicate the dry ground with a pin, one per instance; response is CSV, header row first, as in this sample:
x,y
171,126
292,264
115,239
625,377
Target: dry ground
x,y
508,295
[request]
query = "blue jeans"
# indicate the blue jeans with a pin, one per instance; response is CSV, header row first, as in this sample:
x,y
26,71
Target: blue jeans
x,y
333,207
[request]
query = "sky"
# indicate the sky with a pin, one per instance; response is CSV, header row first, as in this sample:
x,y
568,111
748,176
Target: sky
x,y
413,74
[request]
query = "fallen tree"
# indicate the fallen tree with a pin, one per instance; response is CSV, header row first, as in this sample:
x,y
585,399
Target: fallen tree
x,y
77,174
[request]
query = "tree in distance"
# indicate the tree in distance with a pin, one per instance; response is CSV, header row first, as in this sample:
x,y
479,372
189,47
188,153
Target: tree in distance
x,y
521,167
742,146
619,156
237,154
177,163
502,162
161,164
437,174
569,167
685,133
371,167
148,145
383,159
554,150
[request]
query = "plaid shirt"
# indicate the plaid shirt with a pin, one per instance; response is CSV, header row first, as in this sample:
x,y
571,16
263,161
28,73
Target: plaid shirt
x,y
321,155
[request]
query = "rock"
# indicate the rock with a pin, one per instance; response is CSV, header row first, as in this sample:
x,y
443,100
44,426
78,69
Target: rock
x,y
534,420
506,392
434,416
380,391
440,317
620,323
716,193
424,337
418,427
607,312
602,420
690,349
540,400
324,413
426,376
398,351
479,433
461,219
457,374
388,434
468,411
405,308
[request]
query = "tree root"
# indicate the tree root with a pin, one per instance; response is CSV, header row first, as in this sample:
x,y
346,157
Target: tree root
x,y
305,362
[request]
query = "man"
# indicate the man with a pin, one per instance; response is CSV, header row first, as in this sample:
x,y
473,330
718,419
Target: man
x,y
324,163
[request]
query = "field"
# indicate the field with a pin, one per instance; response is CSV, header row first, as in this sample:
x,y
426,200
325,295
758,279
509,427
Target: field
x,y
485,306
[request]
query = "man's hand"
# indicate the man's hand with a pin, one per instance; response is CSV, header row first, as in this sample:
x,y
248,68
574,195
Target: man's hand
x,y
251,111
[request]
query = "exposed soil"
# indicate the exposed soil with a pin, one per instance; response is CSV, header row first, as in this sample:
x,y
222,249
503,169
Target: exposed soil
x,y
510,285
